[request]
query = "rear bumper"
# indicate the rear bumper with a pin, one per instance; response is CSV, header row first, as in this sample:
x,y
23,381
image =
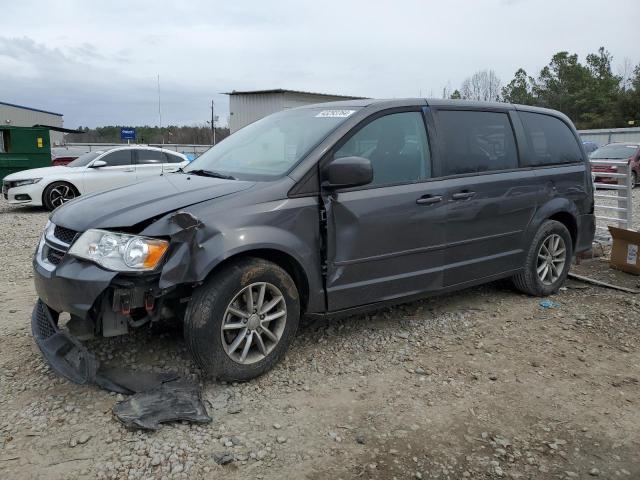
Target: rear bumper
x,y
586,232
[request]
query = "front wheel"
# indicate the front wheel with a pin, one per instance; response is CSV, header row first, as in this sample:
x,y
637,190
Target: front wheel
x,y
547,262
239,324
57,194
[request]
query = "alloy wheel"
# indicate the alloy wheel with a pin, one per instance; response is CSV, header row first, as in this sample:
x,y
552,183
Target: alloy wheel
x,y
61,194
552,257
254,322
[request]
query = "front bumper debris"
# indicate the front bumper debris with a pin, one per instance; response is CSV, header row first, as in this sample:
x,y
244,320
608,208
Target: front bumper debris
x,y
168,402
159,397
66,355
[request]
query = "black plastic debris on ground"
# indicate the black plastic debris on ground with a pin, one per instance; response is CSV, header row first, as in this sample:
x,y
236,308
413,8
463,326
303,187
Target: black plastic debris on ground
x,y
171,401
128,382
159,397
66,355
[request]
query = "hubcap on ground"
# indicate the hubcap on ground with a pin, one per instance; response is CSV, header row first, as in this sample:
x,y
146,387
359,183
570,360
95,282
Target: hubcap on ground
x,y
61,194
551,259
253,322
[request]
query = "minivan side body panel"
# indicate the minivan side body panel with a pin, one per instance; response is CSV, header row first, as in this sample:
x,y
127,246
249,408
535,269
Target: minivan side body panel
x,y
377,243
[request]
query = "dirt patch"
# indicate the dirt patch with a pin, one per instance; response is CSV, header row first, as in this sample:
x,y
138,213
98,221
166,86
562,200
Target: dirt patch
x,y
479,384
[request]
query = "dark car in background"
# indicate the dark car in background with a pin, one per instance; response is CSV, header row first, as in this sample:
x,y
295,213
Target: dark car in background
x,y
590,147
61,156
322,210
629,152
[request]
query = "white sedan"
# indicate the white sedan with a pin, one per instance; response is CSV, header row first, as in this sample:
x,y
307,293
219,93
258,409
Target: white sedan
x,y
91,172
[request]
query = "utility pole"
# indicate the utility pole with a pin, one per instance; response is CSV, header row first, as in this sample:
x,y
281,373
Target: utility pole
x,y
213,122
160,110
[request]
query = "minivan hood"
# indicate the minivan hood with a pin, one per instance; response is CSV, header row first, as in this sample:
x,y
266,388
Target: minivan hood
x,y
130,205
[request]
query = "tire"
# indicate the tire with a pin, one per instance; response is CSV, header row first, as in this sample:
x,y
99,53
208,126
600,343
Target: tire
x,y
57,194
529,281
634,179
209,308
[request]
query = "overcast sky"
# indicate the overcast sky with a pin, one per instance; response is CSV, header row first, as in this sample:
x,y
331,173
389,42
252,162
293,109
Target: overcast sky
x,y
97,62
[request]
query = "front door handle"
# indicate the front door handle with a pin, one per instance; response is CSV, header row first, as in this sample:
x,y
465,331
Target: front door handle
x,y
429,199
128,170
462,195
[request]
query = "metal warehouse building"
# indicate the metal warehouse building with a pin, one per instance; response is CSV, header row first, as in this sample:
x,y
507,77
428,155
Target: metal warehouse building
x,y
20,116
248,106
609,135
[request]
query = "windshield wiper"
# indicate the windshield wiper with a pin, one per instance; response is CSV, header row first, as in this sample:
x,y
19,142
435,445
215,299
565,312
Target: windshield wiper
x,y
211,173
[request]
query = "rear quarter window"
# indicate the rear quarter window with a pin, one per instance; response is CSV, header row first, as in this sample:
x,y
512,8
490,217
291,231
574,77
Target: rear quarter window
x,y
549,141
149,157
476,141
172,158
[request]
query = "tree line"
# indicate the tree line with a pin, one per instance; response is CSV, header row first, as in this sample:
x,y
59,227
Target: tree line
x,y
197,134
589,93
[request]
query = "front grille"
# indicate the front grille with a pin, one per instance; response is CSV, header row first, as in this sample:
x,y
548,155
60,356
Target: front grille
x,y
54,256
65,235
42,324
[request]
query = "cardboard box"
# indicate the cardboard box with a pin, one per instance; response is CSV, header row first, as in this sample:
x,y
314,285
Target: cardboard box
x,y
625,252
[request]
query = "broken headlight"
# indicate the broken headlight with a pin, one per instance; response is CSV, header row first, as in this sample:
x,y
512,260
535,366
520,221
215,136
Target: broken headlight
x,y
119,251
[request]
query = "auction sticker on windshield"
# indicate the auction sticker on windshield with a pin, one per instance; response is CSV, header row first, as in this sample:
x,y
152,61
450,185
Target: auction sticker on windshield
x,y
335,113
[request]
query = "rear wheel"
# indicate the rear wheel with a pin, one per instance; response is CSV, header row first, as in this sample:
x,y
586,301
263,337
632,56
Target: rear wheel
x,y
57,194
239,324
547,262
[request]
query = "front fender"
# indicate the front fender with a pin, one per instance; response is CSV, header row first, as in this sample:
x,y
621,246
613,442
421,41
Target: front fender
x,y
198,246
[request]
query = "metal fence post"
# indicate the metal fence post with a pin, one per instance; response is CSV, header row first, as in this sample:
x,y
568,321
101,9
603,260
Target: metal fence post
x,y
623,198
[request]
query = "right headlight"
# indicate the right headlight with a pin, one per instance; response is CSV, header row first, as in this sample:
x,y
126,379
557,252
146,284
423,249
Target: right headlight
x,y
29,181
119,251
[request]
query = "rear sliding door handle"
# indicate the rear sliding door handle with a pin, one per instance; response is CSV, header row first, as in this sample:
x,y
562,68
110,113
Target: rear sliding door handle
x,y
462,195
128,170
429,199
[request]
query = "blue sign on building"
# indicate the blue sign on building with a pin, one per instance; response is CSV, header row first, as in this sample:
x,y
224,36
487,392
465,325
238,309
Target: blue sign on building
x,y
127,134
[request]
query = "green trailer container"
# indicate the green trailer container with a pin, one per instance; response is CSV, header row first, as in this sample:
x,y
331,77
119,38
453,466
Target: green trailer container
x,y
22,148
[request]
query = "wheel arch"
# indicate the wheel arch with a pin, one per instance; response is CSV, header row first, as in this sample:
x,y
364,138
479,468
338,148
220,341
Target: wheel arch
x,y
283,259
561,210
569,221
59,180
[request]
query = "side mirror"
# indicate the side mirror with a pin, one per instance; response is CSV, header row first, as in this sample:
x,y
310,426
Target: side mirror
x,y
98,164
347,172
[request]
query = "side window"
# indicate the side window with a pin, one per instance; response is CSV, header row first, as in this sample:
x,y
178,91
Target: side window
x,y
171,158
147,157
397,147
118,158
476,142
550,140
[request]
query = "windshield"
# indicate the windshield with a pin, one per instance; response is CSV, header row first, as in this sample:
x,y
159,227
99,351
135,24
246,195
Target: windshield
x,y
272,146
83,160
618,152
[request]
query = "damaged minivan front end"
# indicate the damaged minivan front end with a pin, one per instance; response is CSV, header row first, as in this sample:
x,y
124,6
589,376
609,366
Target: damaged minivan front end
x,y
113,279
109,281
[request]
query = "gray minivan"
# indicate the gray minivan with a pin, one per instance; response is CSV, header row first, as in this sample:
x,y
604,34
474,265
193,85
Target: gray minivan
x,y
320,210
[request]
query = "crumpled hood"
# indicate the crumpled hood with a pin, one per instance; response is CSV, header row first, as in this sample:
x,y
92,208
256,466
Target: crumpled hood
x,y
130,205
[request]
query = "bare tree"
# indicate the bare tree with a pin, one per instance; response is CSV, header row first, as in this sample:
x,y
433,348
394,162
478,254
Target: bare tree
x,y
484,85
625,72
447,90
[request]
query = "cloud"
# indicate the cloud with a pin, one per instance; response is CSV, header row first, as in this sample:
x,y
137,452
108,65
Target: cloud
x,y
99,65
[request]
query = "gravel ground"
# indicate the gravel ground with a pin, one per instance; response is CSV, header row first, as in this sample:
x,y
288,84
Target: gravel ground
x,y
478,384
